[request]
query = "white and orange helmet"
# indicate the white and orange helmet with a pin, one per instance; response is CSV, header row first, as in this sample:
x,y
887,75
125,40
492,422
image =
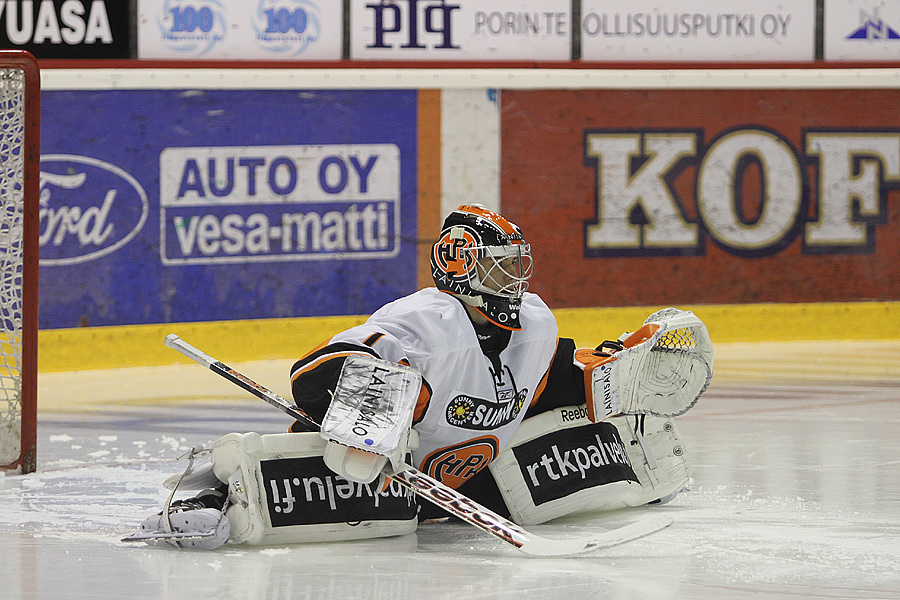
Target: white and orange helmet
x,y
483,259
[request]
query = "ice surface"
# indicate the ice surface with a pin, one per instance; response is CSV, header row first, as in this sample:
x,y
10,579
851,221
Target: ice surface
x,y
795,494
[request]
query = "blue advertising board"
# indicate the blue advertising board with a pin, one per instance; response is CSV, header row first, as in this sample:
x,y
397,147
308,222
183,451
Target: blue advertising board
x,y
197,205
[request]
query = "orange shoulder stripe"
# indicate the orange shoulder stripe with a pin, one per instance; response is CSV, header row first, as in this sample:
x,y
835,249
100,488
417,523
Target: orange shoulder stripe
x,y
320,361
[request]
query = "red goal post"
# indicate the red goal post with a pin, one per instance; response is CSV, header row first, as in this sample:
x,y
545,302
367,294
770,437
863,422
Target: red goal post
x,y
20,108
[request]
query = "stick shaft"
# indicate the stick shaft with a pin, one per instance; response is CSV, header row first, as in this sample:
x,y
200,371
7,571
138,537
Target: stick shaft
x,y
239,379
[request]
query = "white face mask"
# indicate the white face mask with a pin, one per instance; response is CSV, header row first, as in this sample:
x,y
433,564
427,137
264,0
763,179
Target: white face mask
x,y
502,270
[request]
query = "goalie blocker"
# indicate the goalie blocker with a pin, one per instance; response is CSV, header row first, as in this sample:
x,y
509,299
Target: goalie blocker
x,y
369,418
561,463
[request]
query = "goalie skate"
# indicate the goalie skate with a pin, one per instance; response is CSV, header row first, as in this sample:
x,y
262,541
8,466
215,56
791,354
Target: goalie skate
x,y
188,526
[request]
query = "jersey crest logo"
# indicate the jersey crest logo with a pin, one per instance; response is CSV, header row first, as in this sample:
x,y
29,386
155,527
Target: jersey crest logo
x,y
455,464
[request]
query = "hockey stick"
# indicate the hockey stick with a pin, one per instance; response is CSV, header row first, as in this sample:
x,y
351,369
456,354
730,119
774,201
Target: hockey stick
x,y
438,493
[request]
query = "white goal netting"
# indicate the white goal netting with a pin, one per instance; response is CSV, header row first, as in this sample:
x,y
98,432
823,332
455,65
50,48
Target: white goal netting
x,y
12,161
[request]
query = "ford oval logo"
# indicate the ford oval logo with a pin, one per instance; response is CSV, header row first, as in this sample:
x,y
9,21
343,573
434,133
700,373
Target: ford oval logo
x,y
89,208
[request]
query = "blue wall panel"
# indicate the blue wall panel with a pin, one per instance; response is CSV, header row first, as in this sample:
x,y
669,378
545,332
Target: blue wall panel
x,y
185,205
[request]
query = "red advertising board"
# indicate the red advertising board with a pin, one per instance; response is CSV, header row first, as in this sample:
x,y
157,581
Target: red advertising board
x,y
656,197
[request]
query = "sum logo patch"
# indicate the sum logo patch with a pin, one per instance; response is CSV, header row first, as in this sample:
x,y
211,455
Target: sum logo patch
x,y
475,413
469,412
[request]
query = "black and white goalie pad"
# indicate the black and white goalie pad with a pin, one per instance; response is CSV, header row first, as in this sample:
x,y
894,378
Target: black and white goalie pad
x,y
561,463
368,421
663,369
281,492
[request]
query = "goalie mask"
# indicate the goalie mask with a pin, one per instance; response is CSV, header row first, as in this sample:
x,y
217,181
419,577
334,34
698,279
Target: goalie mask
x,y
483,259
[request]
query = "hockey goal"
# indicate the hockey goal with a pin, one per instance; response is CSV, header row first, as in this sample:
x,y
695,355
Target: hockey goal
x,y
20,104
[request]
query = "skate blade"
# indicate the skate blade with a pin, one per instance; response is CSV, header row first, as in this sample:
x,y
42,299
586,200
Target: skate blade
x,y
163,536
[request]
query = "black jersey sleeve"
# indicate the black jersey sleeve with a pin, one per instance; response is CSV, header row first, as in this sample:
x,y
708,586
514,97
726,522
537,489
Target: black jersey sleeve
x,y
314,377
564,381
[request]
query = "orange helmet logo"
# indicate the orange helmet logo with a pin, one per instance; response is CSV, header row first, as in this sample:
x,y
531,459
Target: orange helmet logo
x,y
454,253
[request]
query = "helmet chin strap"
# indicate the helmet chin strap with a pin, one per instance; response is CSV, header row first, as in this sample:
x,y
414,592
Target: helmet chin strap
x,y
474,313
493,312
474,301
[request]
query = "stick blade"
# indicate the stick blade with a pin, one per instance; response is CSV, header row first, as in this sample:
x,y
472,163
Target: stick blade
x,y
540,547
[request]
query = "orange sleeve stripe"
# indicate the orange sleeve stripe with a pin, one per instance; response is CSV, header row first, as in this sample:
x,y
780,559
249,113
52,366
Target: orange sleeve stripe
x,y
589,395
370,341
316,349
422,402
321,360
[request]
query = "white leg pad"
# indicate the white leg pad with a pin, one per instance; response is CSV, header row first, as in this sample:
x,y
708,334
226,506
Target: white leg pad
x,y
560,463
282,492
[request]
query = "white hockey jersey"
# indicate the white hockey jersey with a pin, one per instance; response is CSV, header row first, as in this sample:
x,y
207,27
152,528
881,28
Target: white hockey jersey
x,y
474,408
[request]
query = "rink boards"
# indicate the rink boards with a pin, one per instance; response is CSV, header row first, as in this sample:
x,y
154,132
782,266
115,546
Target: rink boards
x,y
265,208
